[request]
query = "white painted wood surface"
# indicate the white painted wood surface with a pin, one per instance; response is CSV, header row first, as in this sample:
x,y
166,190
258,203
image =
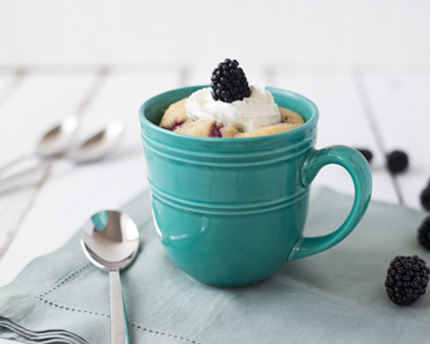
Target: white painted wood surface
x,y
376,111
340,33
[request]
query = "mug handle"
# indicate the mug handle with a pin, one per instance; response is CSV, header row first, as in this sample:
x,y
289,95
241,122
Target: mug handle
x,y
357,166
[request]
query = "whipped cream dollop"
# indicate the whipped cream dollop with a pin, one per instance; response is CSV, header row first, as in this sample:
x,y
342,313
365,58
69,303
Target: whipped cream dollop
x,y
251,113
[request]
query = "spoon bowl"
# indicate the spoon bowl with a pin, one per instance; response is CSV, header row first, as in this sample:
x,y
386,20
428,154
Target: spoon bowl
x,y
58,139
98,145
110,239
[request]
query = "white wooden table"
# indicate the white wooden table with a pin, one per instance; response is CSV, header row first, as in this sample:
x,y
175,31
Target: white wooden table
x,y
379,111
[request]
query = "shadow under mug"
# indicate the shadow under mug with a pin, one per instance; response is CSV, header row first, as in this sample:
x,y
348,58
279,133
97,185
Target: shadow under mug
x,y
231,211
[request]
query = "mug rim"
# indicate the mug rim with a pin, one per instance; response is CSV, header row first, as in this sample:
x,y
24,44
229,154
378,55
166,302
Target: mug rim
x,y
309,123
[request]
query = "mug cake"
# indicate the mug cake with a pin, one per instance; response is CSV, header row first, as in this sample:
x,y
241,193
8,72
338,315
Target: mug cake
x,y
229,108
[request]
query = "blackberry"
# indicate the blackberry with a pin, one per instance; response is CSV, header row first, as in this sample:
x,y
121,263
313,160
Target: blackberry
x,y
397,161
366,153
425,197
407,279
424,233
229,82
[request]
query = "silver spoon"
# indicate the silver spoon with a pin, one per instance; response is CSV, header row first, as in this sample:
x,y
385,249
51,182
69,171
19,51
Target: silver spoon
x,y
94,148
110,240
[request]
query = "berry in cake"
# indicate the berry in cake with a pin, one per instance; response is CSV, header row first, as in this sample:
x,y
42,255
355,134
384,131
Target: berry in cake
x,y
406,280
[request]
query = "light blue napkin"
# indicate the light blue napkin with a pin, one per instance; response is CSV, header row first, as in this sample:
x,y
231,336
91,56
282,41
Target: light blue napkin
x,y
337,296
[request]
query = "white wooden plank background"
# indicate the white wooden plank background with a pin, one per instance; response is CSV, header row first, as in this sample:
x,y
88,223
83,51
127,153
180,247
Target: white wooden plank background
x,y
339,33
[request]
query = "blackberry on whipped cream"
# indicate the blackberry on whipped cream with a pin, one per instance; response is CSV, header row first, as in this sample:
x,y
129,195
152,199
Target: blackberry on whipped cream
x,y
229,82
252,111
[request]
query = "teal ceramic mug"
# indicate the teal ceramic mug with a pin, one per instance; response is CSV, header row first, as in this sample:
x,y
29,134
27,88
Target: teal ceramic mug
x,y
231,211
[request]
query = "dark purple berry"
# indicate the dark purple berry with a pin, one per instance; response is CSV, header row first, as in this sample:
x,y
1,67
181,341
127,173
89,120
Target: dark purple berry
x,y
406,280
425,197
424,233
229,82
215,131
397,161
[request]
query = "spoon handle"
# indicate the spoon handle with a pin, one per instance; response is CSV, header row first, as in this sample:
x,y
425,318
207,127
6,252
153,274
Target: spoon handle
x,y
118,322
22,173
15,162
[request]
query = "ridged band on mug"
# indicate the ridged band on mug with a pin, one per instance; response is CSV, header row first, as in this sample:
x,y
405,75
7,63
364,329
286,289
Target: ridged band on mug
x,y
232,159
225,208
